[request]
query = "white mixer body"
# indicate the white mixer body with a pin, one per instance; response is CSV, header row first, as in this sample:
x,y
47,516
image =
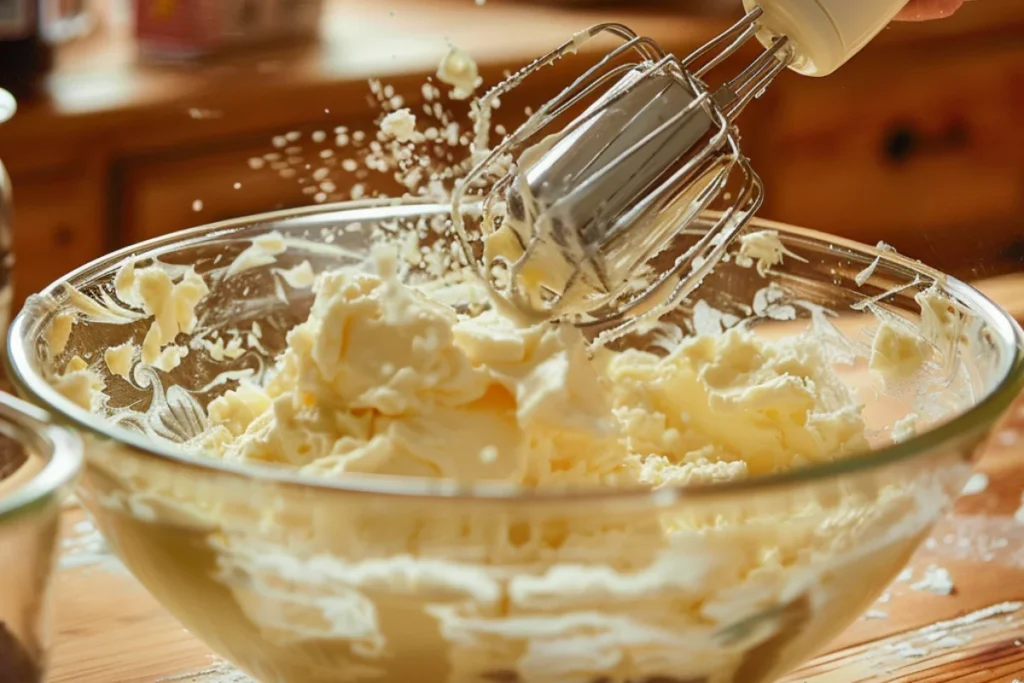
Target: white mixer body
x,y
824,34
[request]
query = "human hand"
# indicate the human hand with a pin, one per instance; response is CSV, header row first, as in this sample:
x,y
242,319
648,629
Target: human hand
x,y
923,10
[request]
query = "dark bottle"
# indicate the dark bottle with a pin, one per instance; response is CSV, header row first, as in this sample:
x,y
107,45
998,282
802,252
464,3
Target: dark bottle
x,y
25,53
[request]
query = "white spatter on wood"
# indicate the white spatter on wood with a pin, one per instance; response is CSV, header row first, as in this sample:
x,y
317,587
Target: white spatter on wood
x,y
1007,438
913,655
83,546
936,580
950,634
218,672
978,538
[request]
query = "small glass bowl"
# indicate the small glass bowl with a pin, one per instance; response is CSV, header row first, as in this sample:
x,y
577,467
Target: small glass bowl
x,y
38,463
298,579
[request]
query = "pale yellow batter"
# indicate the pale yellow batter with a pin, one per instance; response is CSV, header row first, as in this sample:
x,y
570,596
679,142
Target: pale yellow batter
x,y
383,379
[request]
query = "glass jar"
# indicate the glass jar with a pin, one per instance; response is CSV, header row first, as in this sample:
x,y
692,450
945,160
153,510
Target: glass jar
x,y
38,463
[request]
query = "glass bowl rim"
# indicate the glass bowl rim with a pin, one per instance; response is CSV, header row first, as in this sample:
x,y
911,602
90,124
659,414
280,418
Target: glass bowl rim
x,y
63,448
32,386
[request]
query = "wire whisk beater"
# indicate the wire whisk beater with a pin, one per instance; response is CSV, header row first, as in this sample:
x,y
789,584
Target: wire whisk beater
x,y
572,215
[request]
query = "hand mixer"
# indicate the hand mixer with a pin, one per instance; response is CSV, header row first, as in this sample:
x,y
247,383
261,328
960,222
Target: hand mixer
x,y
573,216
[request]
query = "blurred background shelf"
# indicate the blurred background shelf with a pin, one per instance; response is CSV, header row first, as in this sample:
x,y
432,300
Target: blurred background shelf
x,y
918,142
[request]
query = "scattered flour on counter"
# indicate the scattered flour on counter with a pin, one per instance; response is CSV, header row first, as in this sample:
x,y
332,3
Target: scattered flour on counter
x,y
945,641
1007,438
936,580
218,672
947,635
908,651
1019,515
979,538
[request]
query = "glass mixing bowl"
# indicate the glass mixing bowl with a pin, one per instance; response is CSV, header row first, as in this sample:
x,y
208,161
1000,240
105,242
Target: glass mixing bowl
x,y
298,579
38,462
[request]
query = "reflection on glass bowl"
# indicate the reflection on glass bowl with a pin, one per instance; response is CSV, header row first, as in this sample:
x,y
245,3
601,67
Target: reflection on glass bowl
x,y
298,579
38,462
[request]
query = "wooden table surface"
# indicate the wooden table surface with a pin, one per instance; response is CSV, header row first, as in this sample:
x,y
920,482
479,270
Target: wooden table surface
x,y
109,630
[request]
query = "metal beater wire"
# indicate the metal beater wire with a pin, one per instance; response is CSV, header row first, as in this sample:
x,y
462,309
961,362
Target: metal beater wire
x,y
680,125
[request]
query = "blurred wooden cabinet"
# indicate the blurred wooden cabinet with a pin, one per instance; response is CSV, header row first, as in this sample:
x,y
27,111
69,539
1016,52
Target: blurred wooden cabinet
x,y
925,153
49,212
169,192
918,142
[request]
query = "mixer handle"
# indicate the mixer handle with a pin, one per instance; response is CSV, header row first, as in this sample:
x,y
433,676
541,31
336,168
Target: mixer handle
x,y
825,33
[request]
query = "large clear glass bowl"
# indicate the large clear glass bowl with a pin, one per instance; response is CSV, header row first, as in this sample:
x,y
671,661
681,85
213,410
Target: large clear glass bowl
x,y
297,579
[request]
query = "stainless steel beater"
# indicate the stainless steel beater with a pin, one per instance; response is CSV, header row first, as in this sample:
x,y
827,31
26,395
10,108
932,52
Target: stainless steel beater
x,y
573,216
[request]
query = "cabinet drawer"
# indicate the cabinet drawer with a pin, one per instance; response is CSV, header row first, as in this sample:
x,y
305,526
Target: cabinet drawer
x,y
932,143
57,227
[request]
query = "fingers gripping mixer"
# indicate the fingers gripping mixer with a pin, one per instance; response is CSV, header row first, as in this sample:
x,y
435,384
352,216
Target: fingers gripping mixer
x,y
570,211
